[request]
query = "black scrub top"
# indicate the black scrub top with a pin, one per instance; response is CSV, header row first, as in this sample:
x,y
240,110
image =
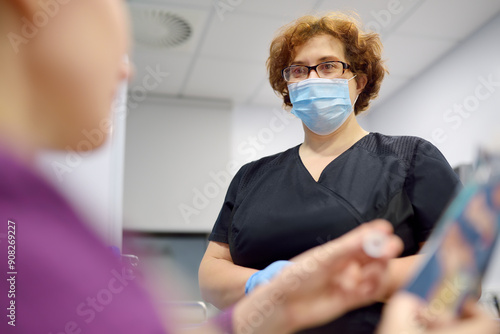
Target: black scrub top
x,y
275,210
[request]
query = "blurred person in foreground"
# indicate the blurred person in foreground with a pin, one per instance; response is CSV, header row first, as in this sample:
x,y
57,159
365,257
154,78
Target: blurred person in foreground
x,y
60,62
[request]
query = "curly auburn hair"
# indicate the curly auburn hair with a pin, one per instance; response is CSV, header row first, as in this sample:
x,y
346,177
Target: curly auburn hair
x,y
362,51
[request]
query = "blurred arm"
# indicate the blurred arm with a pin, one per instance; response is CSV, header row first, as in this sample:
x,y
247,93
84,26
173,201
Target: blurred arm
x,y
222,283
400,272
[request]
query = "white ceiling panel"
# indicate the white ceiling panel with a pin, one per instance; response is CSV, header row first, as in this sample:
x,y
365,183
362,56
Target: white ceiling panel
x,y
385,13
452,19
175,65
243,37
283,9
381,16
205,4
362,7
225,59
407,56
223,79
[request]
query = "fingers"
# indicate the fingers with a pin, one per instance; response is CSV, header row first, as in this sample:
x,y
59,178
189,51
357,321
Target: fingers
x,y
372,280
401,314
474,318
363,282
382,247
393,247
393,244
471,309
382,225
351,244
477,324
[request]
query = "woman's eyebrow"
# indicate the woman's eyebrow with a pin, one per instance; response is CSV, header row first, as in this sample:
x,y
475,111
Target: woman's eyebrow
x,y
320,60
327,58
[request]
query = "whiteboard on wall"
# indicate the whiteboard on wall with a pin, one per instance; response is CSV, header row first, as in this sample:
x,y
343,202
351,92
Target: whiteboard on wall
x,y
176,165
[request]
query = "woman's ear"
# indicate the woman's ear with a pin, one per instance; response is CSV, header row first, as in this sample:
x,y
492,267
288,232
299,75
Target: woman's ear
x,y
361,81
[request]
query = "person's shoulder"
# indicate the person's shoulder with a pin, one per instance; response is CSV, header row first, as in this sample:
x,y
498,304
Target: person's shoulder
x,y
397,142
275,159
20,180
403,147
256,168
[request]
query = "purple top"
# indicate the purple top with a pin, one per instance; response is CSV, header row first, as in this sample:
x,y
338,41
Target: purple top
x,y
61,279
224,321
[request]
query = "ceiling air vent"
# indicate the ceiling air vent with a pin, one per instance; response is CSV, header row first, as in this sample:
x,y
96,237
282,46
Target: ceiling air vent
x,y
160,28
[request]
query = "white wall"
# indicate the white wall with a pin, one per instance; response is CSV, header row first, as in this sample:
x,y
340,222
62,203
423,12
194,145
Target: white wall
x,y
93,181
182,155
452,105
176,170
430,105
261,131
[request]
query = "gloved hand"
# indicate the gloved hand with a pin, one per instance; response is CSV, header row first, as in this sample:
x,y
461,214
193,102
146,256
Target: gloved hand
x,y
265,275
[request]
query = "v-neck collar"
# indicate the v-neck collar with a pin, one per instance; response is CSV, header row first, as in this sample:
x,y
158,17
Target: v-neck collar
x,y
341,155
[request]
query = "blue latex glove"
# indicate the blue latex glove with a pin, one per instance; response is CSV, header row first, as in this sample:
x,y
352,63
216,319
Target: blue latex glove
x,y
265,275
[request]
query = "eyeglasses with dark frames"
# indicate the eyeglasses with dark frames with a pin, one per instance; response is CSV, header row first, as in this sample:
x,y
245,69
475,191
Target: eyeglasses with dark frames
x,y
326,70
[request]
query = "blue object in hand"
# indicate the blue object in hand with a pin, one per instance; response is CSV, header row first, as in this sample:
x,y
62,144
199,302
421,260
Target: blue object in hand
x,y
265,275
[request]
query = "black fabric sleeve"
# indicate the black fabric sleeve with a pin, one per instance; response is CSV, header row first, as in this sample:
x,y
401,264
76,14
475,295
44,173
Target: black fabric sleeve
x,y
431,184
223,222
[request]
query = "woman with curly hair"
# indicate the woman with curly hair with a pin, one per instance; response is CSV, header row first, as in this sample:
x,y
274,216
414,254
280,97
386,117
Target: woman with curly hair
x,y
327,70
57,87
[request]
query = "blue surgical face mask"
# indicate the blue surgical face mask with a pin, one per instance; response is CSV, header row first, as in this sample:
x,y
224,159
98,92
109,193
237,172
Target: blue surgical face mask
x,y
322,104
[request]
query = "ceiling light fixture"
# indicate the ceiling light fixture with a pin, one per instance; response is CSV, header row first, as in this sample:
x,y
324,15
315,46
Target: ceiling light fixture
x,y
160,28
